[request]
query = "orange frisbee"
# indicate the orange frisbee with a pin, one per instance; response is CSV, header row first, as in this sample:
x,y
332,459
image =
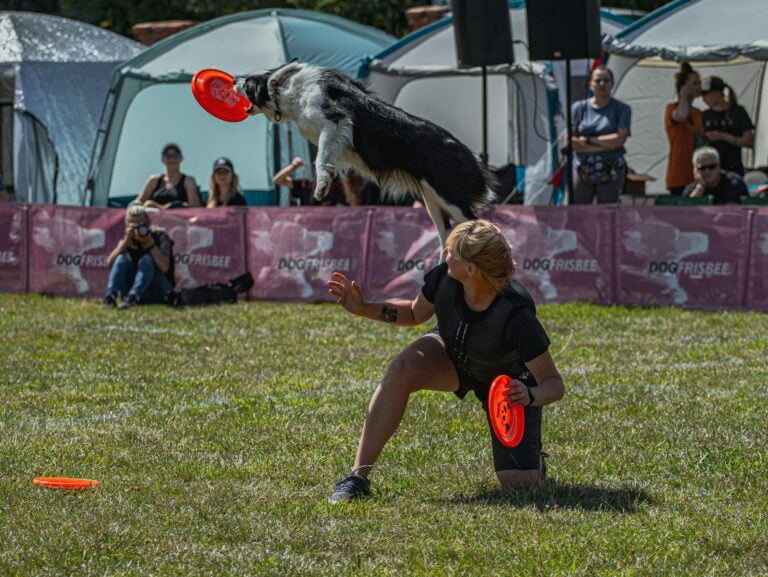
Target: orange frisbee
x,y
64,483
215,91
508,422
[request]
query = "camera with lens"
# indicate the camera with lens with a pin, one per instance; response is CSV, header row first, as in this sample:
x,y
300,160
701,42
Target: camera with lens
x,y
142,230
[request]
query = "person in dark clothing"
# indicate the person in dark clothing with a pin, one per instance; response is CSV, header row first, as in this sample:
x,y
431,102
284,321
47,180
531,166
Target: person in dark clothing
x,y
172,189
224,189
486,326
710,180
141,263
727,125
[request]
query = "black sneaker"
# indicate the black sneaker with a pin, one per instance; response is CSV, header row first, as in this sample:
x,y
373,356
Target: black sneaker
x,y
353,487
109,302
130,301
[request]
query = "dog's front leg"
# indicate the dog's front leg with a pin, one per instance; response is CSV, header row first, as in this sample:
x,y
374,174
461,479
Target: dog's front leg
x,y
328,147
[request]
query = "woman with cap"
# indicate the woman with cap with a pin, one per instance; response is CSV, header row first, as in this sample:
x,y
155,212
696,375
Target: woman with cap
x,y
172,189
727,125
684,128
225,186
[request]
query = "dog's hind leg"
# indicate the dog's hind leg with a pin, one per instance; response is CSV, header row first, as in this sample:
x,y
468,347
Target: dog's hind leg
x,y
437,215
331,142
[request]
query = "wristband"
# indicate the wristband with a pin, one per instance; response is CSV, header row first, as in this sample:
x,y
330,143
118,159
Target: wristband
x,y
531,397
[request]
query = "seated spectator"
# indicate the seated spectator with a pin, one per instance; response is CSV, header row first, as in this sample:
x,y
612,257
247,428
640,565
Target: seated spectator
x,y
302,189
172,189
727,125
225,185
726,187
142,263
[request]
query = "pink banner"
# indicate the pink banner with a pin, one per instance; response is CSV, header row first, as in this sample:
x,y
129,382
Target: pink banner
x,y
757,282
208,244
563,254
13,248
293,251
682,256
69,248
403,246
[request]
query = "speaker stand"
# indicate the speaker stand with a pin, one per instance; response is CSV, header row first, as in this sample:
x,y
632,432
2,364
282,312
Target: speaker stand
x,y
568,146
484,153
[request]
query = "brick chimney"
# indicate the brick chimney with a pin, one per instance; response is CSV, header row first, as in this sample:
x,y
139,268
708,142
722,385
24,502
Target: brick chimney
x,y
421,16
150,32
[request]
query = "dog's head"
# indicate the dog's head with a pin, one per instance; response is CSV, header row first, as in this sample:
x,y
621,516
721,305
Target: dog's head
x,y
262,90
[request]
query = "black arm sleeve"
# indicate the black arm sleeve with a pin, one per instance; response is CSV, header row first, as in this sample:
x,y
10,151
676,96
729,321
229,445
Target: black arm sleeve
x,y
432,281
525,334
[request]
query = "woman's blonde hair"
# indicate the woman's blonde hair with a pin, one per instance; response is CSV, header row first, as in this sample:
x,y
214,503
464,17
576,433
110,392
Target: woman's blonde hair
x,y
214,193
482,243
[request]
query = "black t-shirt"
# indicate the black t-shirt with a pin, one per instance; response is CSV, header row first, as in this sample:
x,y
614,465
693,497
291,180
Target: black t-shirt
x,y
735,121
730,188
521,330
164,243
236,199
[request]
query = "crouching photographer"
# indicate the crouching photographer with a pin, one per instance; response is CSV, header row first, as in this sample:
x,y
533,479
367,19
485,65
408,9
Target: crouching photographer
x,y
141,263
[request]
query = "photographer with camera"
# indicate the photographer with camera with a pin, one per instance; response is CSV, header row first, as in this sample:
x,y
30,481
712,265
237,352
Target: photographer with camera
x,y
141,263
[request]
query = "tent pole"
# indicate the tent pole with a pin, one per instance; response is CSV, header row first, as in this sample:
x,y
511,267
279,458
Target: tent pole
x,y
484,153
568,147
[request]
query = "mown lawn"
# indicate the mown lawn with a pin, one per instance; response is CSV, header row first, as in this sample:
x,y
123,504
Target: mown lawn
x,y
218,433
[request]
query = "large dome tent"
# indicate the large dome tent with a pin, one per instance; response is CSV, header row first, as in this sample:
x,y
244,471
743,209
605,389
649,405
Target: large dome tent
x,y
152,102
54,73
728,42
420,74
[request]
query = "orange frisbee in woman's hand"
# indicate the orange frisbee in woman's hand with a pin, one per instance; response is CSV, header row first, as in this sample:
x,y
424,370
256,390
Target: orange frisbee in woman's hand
x,y
65,483
508,422
215,91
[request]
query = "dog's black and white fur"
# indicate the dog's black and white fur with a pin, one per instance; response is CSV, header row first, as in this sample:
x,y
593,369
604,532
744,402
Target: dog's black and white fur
x,y
355,131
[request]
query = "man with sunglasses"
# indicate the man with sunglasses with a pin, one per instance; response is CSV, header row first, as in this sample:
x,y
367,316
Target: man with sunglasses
x,y
709,180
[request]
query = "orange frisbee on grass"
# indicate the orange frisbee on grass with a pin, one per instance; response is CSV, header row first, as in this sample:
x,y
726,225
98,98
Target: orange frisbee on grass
x,y
215,91
508,422
65,483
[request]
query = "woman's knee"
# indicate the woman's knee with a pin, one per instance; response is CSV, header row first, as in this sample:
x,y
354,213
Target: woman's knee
x,y
401,374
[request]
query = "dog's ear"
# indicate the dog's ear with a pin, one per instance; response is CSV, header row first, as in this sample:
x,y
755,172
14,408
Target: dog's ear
x,y
294,61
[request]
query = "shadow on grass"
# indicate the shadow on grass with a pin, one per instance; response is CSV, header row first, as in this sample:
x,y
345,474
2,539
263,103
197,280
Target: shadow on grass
x,y
552,495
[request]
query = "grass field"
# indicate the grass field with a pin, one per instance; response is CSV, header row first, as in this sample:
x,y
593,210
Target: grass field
x,y
218,434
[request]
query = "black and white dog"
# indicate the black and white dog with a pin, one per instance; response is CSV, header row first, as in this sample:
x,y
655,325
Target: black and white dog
x,y
355,131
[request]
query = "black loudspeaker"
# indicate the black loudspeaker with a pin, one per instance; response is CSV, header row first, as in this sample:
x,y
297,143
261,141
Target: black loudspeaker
x,y
563,29
482,32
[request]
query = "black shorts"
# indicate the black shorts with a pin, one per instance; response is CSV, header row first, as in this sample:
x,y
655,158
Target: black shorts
x,y
527,454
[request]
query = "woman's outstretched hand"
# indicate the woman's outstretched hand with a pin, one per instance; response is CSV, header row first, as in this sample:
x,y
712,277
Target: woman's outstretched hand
x,y
347,293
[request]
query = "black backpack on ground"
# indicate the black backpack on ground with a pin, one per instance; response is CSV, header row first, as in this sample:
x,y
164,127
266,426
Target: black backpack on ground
x,y
213,293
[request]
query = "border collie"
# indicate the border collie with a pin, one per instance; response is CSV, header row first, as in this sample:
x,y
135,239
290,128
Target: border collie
x,y
357,132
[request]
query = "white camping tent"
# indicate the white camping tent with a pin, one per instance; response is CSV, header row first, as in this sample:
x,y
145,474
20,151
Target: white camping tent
x,y
420,74
727,40
54,73
152,102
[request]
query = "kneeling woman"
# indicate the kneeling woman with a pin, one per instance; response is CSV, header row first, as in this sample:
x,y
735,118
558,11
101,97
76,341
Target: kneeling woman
x,y
487,326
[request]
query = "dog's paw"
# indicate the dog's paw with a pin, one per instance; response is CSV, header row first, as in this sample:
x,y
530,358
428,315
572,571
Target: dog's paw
x,y
321,191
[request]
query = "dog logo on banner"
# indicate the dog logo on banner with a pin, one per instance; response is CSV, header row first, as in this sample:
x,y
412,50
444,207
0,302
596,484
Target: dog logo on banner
x,y
655,241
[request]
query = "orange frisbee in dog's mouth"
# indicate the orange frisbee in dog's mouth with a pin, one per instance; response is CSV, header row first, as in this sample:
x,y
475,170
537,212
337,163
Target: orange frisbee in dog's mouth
x,y
215,91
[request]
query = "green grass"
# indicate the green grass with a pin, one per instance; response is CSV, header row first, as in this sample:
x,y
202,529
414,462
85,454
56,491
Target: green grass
x,y
218,433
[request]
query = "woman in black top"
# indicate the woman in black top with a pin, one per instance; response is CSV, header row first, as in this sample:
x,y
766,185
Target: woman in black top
x,y
727,125
224,189
171,189
487,326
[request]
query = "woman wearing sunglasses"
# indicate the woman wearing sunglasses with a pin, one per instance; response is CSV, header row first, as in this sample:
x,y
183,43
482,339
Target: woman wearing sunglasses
x,y
723,186
172,189
600,129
